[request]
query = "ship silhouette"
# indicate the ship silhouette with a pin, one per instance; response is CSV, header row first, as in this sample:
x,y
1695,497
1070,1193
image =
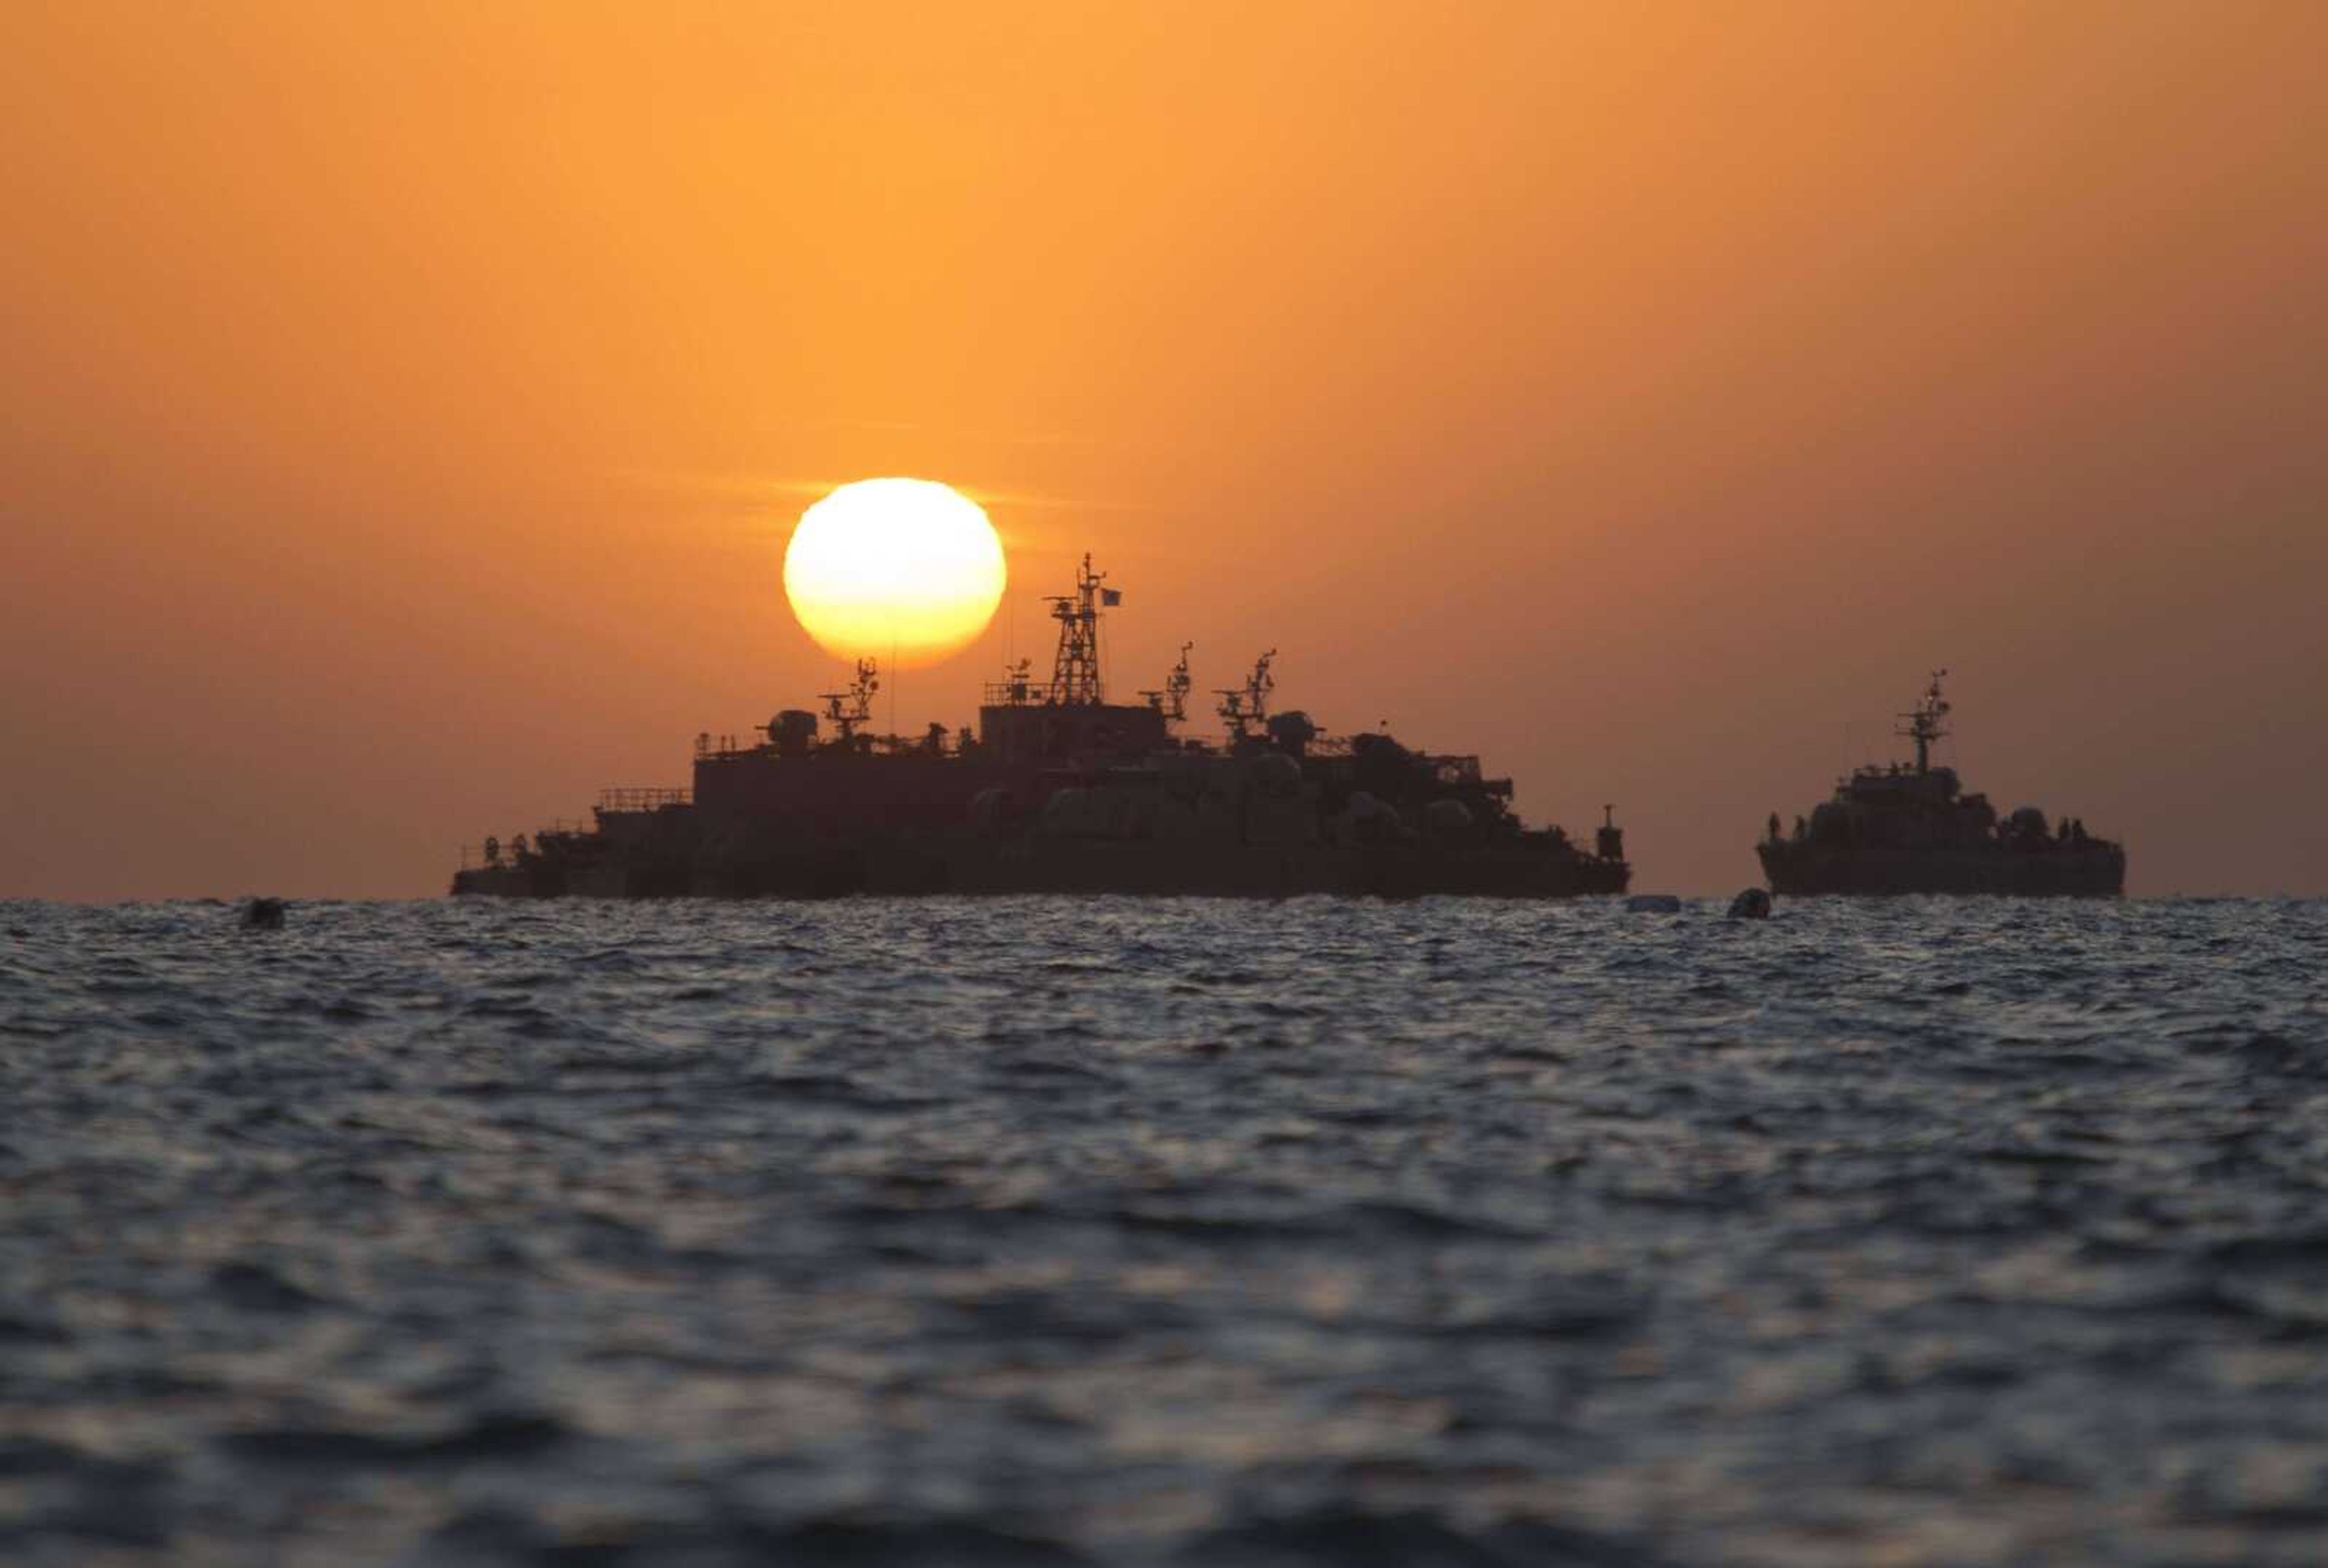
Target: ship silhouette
x,y
1059,791
1900,828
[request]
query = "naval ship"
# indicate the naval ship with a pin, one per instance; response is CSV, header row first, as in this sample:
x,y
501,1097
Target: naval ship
x,y
1896,829
1060,790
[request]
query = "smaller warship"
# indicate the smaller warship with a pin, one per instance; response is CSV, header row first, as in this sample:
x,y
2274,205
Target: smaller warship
x,y
1060,790
1896,829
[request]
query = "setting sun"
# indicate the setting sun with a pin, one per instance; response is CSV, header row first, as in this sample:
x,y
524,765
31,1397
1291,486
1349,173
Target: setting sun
x,y
905,570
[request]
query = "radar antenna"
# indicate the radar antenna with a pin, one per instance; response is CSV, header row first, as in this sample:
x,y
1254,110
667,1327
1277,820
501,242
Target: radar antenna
x,y
1248,705
1172,702
1074,673
1924,724
850,709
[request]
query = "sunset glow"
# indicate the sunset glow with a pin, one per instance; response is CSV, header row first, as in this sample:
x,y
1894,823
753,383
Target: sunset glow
x,y
904,570
1642,396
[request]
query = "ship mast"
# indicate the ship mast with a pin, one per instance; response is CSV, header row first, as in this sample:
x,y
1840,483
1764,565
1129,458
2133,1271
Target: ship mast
x,y
1923,722
1173,701
1074,673
850,709
1248,705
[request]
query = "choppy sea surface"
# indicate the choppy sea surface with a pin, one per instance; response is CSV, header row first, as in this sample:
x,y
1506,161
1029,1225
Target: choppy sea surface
x,y
1057,1231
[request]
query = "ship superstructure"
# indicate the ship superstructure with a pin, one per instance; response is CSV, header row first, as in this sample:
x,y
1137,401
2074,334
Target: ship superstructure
x,y
1901,828
1060,790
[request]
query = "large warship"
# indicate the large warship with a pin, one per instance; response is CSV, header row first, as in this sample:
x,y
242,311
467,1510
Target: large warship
x,y
1896,829
1058,791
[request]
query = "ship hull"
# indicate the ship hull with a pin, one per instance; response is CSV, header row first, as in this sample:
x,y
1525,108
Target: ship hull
x,y
1150,869
1805,871
1165,869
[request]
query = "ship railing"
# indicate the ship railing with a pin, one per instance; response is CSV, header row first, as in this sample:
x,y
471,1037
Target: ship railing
x,y
641,799
473,856
913,746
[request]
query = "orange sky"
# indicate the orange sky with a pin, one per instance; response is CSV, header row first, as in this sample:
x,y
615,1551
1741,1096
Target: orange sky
x,y
402,409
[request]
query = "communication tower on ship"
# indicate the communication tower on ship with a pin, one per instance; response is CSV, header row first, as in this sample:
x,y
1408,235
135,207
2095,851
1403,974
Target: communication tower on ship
x,y
850,709
1173,701
1246,708
1923,723
1074,672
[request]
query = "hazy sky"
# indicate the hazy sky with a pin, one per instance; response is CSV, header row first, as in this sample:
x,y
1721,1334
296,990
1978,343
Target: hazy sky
x,y
403,408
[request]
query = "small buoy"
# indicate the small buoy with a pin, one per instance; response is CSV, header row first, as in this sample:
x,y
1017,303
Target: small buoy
x,y
1753,904
1654,904
263,914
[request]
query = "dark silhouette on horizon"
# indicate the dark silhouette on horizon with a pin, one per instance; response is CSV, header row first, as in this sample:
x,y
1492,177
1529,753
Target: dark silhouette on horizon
x,y
1894,829
1060,791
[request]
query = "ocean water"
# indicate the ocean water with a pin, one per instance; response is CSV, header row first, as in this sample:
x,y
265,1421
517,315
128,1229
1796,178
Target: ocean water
x,y
1058,1231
